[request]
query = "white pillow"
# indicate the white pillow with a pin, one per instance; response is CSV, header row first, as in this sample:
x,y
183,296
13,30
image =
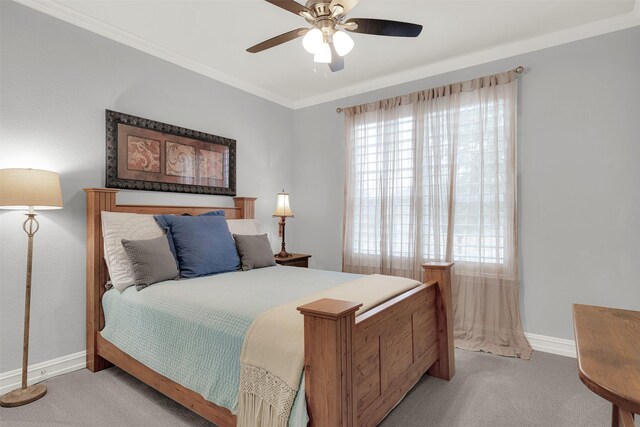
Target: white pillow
x,y
247,227
117,226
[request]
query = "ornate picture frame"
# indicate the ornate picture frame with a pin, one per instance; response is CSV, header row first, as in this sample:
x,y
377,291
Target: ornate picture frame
x,y
144,154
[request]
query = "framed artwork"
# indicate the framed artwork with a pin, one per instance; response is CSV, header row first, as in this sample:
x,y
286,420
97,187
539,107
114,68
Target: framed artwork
x,y
143,154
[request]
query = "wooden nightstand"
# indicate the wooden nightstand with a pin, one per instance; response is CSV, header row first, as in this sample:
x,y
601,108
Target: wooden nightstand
x,y
296,260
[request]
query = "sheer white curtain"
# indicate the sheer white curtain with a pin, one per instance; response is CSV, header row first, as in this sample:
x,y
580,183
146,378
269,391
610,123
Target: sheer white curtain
x,y
431,176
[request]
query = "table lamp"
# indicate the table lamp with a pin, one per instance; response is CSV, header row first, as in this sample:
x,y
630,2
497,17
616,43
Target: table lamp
x,y
28,189
283,211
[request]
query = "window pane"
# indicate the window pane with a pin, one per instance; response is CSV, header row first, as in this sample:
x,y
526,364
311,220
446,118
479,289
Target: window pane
x,y
385,168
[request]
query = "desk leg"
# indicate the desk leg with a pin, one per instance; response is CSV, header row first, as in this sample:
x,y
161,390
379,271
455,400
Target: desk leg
x,y
621,417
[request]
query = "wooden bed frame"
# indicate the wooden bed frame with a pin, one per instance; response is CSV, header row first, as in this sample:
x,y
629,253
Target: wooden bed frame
x,y
357,367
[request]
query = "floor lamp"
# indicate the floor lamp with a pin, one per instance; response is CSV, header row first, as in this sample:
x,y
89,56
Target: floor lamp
x,y
28,189
283,210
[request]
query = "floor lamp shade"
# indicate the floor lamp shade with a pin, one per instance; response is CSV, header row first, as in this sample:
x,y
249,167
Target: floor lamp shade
x,y
25,188
28,189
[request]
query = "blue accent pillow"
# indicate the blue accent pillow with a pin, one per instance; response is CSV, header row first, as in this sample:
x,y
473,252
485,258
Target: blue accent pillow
x,y
203,244
160,219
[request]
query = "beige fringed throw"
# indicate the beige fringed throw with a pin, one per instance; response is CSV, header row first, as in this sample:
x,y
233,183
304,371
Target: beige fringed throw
x,y
272,356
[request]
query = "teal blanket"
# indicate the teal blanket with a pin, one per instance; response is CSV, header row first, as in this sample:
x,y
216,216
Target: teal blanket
x,y
192,331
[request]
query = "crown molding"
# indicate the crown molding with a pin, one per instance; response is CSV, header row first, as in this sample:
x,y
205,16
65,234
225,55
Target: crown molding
x,y
592,29
109,31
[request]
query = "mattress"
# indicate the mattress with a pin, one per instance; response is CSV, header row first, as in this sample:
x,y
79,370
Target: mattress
x,y
192,331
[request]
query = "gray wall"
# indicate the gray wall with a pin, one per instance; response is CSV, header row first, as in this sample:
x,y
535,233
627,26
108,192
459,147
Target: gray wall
x,y
579,180
56,81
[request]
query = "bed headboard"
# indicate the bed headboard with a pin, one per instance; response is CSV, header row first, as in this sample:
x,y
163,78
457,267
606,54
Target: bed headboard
x,y
104,199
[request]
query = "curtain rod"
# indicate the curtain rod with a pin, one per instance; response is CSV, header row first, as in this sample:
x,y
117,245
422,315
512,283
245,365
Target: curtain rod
x,y
518,70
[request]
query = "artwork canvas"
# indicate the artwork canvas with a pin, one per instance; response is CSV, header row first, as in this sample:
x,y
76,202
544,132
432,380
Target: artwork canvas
x,y
148,155
143,154
180,160
211,165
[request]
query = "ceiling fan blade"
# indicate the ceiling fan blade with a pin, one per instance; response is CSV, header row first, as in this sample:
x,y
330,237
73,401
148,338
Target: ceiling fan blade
x,y
337,61
383,27
347,5
277,40
290,5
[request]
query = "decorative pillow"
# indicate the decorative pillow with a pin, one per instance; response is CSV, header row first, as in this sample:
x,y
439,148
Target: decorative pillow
x,y
203,244
255,251
160,219
117,226
151,261
245,227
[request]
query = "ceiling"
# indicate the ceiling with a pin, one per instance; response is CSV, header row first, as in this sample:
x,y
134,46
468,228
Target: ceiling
x,y
210,37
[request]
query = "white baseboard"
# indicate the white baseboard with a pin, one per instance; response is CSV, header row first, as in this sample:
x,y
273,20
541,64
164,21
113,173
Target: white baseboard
x,y
41,371
552,345
76,361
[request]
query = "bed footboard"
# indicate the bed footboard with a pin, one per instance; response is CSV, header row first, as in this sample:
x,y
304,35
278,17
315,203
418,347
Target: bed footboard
x,y
358,368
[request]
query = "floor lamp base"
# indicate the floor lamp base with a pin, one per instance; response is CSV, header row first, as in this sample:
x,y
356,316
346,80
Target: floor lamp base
x,y
22,396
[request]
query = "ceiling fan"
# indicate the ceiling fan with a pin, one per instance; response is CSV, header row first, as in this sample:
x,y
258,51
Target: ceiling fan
x,y
326,39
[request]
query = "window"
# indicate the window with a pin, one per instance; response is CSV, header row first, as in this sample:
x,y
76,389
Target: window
x,y
413,171
431,176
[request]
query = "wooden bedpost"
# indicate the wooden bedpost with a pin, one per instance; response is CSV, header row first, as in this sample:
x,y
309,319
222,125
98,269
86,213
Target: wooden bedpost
x,y
441,272
98,200
247,206
329,329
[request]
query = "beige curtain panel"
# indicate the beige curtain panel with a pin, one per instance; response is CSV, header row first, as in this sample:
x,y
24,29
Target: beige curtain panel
x,y
431,176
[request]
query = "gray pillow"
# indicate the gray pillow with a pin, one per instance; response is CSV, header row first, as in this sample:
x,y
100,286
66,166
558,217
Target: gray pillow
x,y
254,251
151,261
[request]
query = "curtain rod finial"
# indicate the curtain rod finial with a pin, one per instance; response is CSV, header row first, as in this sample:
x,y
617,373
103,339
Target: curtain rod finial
x,y
519,69
339,110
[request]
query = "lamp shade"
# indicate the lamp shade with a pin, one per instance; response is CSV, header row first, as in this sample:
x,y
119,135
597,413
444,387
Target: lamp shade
x,y
323,54
282,206
342,42
25,188
312,40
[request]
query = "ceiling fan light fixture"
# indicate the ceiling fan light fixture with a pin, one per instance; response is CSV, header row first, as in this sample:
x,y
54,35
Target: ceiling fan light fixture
x,y
324,38
312,40
342,42
323,54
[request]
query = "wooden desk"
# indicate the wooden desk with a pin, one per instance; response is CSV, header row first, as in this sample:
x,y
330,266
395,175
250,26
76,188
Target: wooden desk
x,y
608,349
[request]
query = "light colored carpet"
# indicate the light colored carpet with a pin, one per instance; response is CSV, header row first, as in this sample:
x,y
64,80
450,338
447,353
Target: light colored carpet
x,y
487,390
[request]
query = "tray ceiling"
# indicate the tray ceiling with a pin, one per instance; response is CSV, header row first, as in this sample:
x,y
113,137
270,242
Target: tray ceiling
x,y
210,37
